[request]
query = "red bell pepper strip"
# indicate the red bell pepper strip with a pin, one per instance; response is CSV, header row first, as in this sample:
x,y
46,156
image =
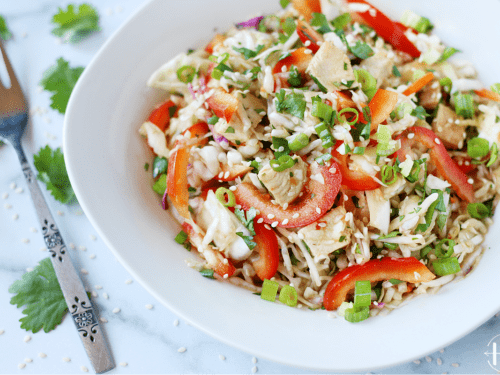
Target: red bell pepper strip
x,y
440,157
404,269
465,164
269,251
307,7
177,185
419,84
307,33
223,104
381,106
216,261
388,30
161,115
298,58
301,212
217,39
488,94
353,179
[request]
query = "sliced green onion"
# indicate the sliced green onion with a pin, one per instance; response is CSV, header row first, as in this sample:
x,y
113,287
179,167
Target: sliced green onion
x,y
478,147
448,52
323,158
284,3
213,120
269,290
464,105
395,281
414,172
493,155
446,83
282,163
478,210
359,150
343,307
495,88
417,74
350,110
161,184
431,56
419,23
442,253
298,142
388,174
425,251
181,237
362,293
322,110
288,296
383,134
367,81
186,73
402,110
208,273
446,266
221,194
391,246
324,133
355,314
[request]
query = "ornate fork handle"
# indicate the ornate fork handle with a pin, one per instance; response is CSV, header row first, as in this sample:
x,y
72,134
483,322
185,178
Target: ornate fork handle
x,y
80,308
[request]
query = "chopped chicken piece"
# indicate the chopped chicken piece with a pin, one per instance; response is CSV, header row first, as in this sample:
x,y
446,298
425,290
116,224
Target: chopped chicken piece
x,y
430,95
379,65
286,185
380,210
407,70
323,240
332,68
445,128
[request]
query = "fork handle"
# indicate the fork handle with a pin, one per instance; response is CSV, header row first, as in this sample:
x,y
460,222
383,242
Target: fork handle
x,y
79,305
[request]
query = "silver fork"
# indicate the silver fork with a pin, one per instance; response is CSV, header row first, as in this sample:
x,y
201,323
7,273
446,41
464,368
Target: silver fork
x,y
13,121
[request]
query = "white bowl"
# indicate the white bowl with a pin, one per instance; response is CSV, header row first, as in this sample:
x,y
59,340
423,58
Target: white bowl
x,y
105,157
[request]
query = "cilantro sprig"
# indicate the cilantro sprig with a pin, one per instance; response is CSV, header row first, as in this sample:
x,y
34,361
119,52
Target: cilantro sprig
x,y
52,172
60,79
4,30
73,25
293,103
40,292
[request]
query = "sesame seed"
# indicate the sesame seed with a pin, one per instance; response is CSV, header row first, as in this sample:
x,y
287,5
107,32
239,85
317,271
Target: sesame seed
x,y
221,357
105,295
84,369
225,276
283,69
411,135
94,294
226,175
467,162
260,220
301,235
42,355
21,366
123,364
181,349
66,359
5,195
270,216
333,170
254,368
437,141
470,181
92,237
2,332
72,246
275,224
441,351
98,287
440,129
439,361
28,360
176,322
129,281
103,319
27,338
92,256
307,43
149,306
267,226
455,365
84,271
232,188
29,269
15,217
7,206
116,310
296,215
285,206
308,51
225,261
417,362
318,210
450,121
43,249
428,359
33,230
25,240
82,248
457,122
13,185
322,225
285,222
220,175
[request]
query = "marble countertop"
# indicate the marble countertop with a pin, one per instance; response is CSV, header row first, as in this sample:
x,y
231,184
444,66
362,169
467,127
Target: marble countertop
x,y
145,337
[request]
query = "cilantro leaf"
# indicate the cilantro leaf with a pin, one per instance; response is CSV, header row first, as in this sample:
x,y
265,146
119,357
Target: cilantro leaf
x,y
248,221
74,26
284,3
319,19
295,78
52,172
361,50
277,144
60,80
293,103
160,165
248,240
40,292
420,113
4,30
248,53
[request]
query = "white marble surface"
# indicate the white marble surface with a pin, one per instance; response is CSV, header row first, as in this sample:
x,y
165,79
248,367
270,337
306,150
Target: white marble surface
x,y
142,340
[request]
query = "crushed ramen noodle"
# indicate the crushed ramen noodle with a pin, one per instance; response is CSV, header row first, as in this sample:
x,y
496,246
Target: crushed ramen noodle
x,y
328,157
